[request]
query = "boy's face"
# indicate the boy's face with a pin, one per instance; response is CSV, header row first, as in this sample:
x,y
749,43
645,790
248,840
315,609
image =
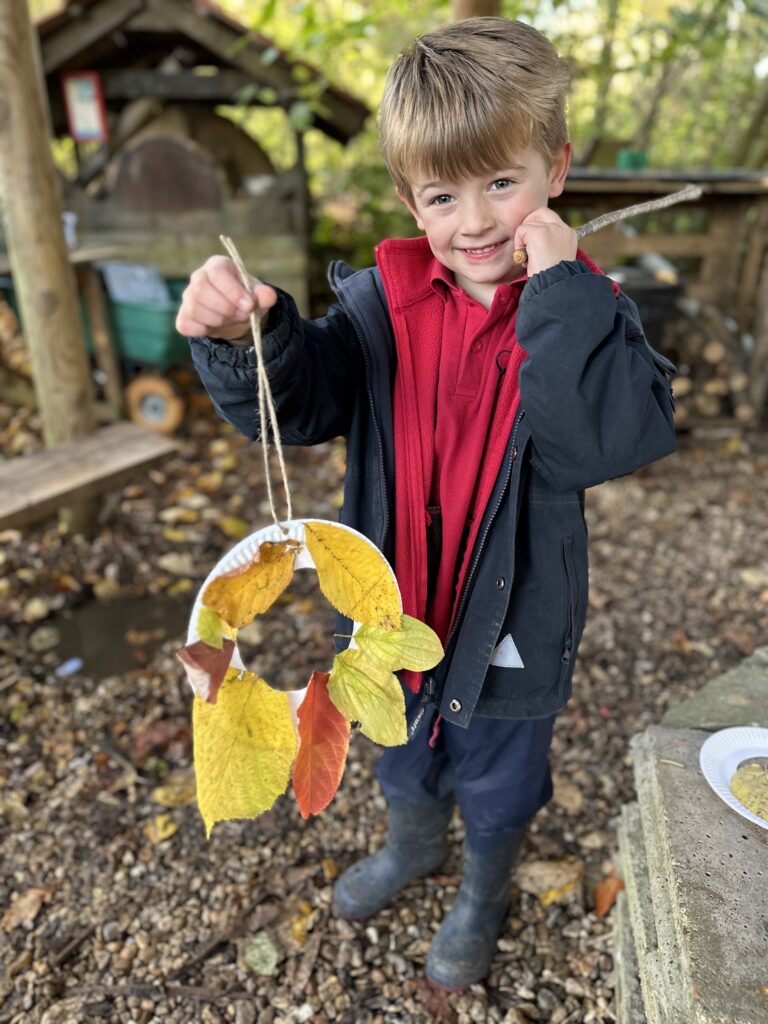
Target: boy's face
x,y
471,223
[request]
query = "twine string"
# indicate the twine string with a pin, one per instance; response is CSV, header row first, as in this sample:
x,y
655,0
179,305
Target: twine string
x,y
266,403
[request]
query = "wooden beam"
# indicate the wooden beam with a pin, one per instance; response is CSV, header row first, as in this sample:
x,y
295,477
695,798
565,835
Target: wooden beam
x,y
198,23
86,27
42,274
34,487
181,86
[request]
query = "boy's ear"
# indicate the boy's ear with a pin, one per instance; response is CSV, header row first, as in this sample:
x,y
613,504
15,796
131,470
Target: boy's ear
x,y
414,213
559,170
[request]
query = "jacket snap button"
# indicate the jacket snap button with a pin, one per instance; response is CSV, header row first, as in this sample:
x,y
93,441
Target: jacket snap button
x,y
455,705
500,583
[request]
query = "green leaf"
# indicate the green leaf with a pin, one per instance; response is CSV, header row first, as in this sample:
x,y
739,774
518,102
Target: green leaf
x,y
212,629
415,646
365,692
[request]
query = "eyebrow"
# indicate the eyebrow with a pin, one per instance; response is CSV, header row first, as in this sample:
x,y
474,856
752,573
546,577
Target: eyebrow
x,y
421,189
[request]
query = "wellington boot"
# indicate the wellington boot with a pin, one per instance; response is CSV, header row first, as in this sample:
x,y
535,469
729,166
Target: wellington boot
x,y
417,844
463,948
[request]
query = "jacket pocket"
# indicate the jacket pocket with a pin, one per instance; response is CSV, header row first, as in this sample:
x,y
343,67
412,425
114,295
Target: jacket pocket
x,y
571,598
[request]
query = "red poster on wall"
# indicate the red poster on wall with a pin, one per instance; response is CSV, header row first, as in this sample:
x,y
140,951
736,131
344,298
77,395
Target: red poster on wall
x,y
84,102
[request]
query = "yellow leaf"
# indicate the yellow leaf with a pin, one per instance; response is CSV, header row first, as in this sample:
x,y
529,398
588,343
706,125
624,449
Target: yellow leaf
x,y
175,536
234,527
241,594
212,629
161,827
179,587
244,747
353,575
414,645
178,791
367,693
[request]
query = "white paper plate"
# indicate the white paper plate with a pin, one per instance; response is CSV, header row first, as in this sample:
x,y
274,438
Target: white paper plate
x,y
242,554
720,756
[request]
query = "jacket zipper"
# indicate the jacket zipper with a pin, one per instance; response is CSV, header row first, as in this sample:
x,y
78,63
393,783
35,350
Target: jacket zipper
x,y
569,596
481,545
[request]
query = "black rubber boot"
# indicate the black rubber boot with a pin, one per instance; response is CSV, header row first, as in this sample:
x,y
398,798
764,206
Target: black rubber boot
x,y
417,843
465,944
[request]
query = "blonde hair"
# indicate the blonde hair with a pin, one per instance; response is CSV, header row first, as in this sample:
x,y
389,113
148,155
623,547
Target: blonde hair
x,y
466,98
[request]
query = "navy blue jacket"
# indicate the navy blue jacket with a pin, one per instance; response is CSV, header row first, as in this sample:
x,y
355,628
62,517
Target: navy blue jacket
x,y
595,403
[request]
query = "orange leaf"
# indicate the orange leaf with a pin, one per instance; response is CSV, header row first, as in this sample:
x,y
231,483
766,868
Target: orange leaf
x,y
206,667
323,746
238,596
606,893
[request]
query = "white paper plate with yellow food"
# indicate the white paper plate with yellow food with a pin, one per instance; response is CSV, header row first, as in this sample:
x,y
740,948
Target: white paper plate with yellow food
x,y
735,764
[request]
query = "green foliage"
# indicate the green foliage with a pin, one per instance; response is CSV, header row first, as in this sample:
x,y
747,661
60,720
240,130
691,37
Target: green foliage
x,y
698,56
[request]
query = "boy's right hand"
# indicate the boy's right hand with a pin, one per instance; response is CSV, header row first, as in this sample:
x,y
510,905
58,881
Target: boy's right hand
x,y
215,304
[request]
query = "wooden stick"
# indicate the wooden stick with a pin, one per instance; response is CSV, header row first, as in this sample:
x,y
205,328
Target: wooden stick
x,y
520,256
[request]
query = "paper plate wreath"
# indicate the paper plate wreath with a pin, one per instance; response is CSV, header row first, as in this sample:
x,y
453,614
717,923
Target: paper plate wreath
x,y
247,736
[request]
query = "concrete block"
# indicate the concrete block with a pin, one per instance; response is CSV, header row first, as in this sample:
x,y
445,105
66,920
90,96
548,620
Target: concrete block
x,y
738,697
666,989
629,997
711,866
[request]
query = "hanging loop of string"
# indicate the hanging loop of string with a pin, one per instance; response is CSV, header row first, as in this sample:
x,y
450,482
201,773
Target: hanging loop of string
x,y
266,404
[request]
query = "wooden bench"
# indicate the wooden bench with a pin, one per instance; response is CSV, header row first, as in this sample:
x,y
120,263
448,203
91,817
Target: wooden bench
x,y
33,487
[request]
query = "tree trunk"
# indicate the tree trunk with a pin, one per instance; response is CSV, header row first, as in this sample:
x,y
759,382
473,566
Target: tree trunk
x,y
31,206
475,9
605,77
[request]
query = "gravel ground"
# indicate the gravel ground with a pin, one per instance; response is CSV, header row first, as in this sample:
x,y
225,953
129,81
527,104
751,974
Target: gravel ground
x,y
113,907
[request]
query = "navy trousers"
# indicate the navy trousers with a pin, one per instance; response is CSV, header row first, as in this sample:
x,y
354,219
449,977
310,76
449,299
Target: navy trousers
x,y
497,769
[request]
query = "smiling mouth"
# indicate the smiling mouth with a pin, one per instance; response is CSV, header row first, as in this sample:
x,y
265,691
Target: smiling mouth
x,y
483,250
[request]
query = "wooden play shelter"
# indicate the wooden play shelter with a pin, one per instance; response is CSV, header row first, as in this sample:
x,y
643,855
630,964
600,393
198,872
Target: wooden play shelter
x,y
176,171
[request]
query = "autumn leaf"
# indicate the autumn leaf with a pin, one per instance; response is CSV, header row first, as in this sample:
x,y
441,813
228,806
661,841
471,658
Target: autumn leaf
x,y
206,667
353,575
606,893
549,880
414,646
212,629
160,828
178,790
367,693
244,747
323,746
241,594
25,909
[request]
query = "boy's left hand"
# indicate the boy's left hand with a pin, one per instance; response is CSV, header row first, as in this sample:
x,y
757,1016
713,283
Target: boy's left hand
x,y
547,239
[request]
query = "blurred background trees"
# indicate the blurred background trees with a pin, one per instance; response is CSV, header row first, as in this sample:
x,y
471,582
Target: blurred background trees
x,y
677,84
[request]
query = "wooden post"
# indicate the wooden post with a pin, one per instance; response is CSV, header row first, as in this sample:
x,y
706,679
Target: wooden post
x,y
475,9
31,208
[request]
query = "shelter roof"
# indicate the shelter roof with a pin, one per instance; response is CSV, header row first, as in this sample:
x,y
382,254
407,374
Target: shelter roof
x,y
182,50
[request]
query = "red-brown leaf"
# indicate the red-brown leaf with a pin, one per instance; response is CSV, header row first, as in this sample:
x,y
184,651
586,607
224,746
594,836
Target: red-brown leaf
x,y
206,667
323,746
606,893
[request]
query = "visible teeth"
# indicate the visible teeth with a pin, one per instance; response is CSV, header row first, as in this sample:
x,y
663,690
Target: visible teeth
x,y
478,252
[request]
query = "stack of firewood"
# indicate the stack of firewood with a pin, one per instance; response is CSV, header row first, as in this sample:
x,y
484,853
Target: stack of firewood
x,y
712,386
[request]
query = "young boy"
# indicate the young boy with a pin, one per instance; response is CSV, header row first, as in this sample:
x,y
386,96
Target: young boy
x,y
477,401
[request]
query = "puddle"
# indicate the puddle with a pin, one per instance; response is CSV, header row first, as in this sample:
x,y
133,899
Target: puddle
x,y
109,637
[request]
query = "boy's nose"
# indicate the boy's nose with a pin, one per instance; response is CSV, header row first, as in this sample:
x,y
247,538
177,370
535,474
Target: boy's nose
x,y
477,219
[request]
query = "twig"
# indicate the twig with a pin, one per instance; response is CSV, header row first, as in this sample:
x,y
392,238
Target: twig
x,y
520,256
77,940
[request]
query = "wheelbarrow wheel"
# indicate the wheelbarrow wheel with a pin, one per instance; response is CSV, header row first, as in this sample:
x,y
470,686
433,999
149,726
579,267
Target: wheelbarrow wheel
x,y
153,403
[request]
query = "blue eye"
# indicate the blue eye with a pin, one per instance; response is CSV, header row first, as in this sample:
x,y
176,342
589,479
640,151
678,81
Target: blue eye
x,y
501,183
440,200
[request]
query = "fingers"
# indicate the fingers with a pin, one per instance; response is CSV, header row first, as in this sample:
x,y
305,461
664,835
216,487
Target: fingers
x,y
546,238
216,303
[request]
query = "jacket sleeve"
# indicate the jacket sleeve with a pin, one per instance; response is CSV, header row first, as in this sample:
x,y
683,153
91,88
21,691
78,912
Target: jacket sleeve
x,y
596,396
312,367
